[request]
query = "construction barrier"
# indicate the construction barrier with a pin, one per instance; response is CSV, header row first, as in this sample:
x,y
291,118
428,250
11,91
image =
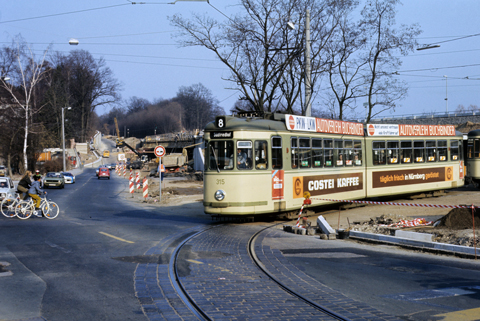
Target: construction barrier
x,y
137,180
131,186
145,188
395,204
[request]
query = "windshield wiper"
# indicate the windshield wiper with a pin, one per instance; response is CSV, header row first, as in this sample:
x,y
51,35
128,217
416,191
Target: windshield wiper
x,y
216,160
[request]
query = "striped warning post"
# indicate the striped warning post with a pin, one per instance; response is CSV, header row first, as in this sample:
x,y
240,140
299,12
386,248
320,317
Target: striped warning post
x,y
299,215
145,188
124,172
137,179
131,185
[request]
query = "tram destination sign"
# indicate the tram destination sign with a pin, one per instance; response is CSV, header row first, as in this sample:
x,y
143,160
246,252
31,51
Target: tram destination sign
x,y
221,134
320,125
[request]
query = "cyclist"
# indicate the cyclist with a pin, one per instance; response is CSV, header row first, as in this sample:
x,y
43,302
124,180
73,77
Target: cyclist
x,y
24,185
34,191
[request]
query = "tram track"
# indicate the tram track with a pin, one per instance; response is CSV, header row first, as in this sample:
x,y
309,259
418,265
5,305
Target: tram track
x,y
248,242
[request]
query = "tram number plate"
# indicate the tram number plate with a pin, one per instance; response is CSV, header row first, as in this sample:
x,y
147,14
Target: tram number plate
x,y
220,181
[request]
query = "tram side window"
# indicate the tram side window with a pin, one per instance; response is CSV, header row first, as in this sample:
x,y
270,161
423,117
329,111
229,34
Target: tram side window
x,y
244,155
442,150
277,153
470,148
357,150
317,152
406,152
476,148
294,147
378,153
348,152
328,152
338,152
419,151
305,152
431,150
261,156
393,152
220,155
454,150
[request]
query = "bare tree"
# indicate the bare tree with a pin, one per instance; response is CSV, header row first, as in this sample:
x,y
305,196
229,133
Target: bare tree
x,y
377,24
25,73
264,59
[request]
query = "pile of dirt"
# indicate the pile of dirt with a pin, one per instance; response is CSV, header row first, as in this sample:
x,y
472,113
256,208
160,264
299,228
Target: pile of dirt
x,y
468,126
460,218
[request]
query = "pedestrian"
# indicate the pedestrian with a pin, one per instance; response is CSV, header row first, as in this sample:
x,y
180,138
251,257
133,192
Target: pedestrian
x,y
24,185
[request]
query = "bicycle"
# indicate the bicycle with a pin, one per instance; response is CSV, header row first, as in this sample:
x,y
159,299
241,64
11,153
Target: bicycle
x,y
8,205
25,209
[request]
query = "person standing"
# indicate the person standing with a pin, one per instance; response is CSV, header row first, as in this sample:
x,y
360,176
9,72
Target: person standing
x,y
24,185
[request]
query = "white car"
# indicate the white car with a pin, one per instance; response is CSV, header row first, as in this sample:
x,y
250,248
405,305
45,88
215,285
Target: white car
x,y
69,177
7,188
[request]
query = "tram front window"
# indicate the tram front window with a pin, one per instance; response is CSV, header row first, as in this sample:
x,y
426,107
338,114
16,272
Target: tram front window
x,y
220,155
244,155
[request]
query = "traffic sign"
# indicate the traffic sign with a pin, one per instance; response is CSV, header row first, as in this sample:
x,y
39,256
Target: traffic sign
x,y
159,151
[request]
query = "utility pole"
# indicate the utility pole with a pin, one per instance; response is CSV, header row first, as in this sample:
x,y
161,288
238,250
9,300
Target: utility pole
x,y
308,71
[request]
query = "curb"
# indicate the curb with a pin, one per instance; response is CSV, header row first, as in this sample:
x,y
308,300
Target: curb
x,y
451,249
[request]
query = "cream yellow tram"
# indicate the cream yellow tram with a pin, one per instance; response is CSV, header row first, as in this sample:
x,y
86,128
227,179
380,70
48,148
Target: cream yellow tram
x,y
263,165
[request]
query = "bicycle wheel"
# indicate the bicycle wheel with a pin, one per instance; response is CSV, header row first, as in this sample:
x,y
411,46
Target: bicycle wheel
x,y
8,207
24,210
50,210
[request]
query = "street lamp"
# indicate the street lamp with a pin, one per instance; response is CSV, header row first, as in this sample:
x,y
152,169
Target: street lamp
x,y
63,136
308,70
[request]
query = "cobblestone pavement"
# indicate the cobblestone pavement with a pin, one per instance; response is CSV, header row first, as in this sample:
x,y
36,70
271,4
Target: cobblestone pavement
x,y
221,277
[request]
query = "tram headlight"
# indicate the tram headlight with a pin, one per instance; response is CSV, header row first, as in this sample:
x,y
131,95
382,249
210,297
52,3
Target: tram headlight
x,y
219,195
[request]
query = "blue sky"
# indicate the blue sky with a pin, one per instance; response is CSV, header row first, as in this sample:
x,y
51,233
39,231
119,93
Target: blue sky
x,y
136,42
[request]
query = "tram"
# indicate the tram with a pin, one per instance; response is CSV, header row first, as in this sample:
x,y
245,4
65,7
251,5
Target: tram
x,y
472,156
264,165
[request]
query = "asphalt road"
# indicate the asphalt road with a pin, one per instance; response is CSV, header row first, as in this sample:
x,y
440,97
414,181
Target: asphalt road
x,y
70,268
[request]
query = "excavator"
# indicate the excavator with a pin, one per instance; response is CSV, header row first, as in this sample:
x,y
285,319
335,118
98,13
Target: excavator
x,y
120,143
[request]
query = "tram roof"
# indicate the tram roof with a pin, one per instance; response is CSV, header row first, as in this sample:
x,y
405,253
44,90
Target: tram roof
x,y
474,133
249,123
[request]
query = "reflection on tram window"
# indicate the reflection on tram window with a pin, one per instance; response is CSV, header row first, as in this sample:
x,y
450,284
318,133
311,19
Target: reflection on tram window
x,y
338,152
378,153
419,151
393,152
244,155
357,149
406,152
348,144
261,156
317,152
328,152
431,150
442,150
220,155
277,153
454,150
304,152
294,147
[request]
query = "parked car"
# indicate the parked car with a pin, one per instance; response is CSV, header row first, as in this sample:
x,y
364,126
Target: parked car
x,y
3,171
54,179
7,188
69,177
104,172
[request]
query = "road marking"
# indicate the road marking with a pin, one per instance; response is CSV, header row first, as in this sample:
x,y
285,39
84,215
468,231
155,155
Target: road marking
x,y
194,261
464,315
117,238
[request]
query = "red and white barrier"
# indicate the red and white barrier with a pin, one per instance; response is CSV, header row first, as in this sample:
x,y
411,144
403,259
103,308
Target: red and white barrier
x,y
395,204
145,188
131,186
299,215
137,180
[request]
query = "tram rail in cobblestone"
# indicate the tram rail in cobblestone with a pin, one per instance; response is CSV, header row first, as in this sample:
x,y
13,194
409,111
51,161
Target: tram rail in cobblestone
x,y
251,251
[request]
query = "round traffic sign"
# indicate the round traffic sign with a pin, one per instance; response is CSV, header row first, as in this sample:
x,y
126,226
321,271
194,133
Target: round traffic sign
x,y
159,151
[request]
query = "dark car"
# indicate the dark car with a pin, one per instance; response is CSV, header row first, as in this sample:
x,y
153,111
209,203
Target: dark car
x,y
103,172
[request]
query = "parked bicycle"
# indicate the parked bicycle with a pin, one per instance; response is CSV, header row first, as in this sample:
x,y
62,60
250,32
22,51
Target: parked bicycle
x,y
8,205
25,209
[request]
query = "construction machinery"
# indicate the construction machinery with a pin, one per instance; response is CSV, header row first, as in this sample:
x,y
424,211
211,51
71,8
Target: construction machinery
x,y
120,143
